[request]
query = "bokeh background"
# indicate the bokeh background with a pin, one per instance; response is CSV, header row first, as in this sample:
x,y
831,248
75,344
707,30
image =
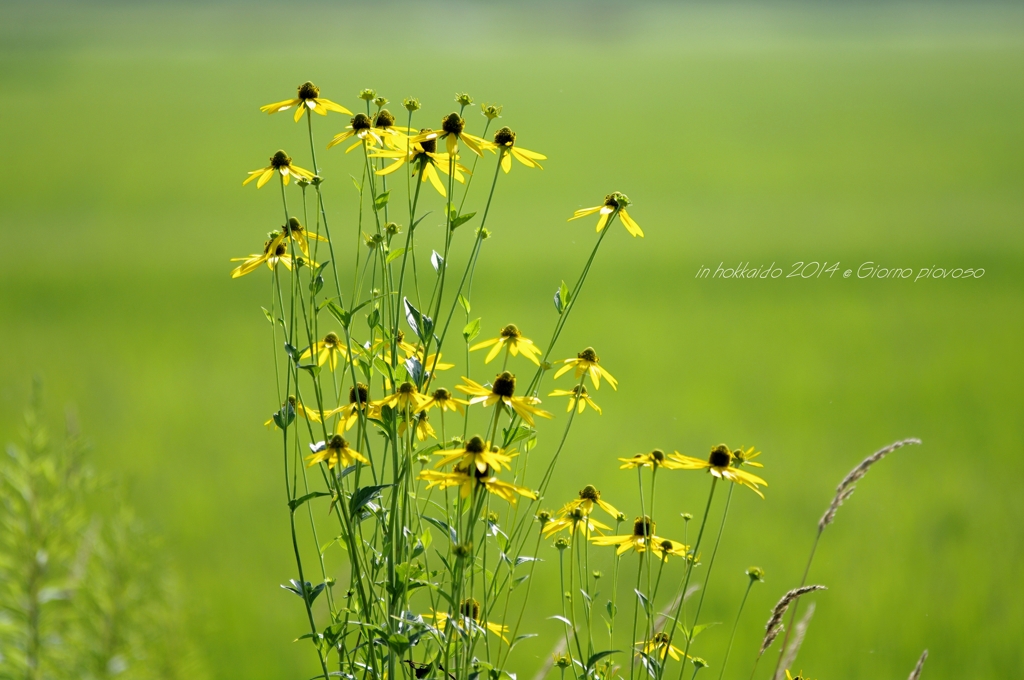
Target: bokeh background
x,y
743,133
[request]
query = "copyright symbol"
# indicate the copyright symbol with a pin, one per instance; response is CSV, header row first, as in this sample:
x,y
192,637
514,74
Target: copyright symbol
x,y
847,273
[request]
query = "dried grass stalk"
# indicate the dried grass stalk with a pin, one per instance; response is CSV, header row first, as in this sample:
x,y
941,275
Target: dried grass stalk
x,y
847,486
799,631
774,625
916,673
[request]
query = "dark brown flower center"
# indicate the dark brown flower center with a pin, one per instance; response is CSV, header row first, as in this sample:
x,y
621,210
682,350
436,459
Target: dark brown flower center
x,y
658,455
360,392
666,545
720,456
504,385
308,91
590,493
294,226
661,638
475,445
453,124
470,608
643,526
360,121
384,119
505,137
332,340
280,160
511,331
407,388
280,250
441,394
588,355
337,442
428,145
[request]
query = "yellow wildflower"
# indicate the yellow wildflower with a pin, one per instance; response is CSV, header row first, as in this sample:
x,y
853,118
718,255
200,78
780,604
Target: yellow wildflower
x,y
468,481
513,341
327,351
282,163
654,459
424,159
468,618
336,451
453,130
476,454
502,391
614,203
587,362
308,99
578,397
720,464
505,141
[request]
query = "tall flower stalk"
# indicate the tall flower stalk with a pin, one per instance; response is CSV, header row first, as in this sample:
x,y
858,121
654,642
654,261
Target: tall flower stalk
x,y
432,519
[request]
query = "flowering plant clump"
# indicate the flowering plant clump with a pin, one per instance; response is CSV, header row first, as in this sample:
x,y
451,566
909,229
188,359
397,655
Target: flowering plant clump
x,y
422,485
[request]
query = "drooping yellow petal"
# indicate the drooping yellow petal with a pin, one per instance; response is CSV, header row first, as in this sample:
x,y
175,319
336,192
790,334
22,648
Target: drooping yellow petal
x,y
265,177
631,226
584,212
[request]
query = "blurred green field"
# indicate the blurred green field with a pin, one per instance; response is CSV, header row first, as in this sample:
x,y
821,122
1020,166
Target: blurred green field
x,y
742,133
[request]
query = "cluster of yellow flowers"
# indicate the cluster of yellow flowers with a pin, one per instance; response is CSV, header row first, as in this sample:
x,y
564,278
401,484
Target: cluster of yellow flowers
x,y
468,585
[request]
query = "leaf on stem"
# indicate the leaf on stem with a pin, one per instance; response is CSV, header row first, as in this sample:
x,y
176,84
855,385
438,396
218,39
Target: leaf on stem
x,y
471,330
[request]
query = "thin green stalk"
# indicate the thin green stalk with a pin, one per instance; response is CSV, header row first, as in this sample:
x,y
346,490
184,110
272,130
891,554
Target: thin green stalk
x,y
735,625
707,578
689,570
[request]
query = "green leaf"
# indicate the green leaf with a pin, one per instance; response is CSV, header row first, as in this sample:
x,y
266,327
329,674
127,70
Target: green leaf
x,y
421,324
471,330
398,643
443,526
270,317
294,504
520,638
521,432
343,317
464,301
364,495
461,219
292,352
381,200
373,318
436,261
643,601
597,657
394,255
562,298
284,417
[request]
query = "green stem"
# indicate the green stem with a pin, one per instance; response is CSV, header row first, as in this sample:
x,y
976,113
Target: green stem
x,y
735,625
707,579
689,571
